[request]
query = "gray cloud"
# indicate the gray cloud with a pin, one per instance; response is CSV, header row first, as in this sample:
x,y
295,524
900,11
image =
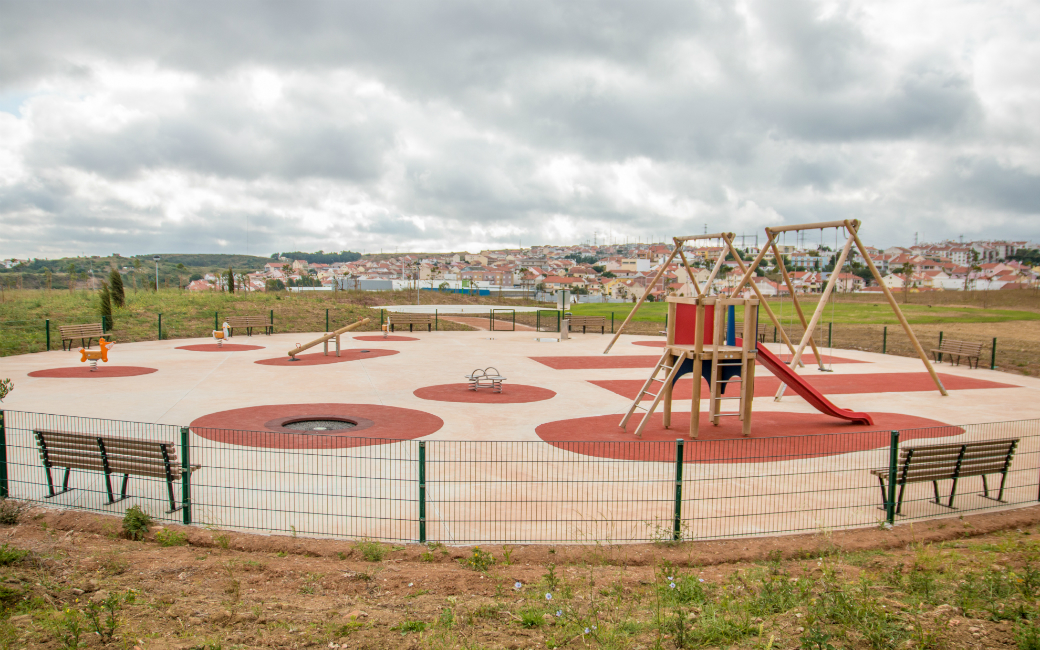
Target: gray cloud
x,y
145,126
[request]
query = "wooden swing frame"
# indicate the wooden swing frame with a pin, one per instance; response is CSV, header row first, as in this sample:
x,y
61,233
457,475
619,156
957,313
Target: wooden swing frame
x,y
852,227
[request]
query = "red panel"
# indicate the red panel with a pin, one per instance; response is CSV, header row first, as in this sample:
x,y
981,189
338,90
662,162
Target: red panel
x,y
686,324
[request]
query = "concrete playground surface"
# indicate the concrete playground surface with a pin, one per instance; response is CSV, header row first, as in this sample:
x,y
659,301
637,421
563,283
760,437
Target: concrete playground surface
x,y
544,461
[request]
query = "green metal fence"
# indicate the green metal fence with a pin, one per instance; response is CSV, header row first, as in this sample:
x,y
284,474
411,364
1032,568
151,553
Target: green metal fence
x,y
469,492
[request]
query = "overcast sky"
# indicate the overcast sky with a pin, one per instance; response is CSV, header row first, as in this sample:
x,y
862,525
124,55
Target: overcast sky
x,y
249,127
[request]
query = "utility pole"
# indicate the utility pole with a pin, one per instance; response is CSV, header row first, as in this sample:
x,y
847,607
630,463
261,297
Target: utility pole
x,y
156,259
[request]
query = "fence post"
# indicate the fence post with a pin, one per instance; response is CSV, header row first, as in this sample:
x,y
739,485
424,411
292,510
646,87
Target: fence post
x,y
216,320
160,327
938,355
774,335
830,334
884,340
422,492
380,319
326,321
48,326
611,322
104,323
993,356
436,322
3,457
893,460
272,320
677,522
185,478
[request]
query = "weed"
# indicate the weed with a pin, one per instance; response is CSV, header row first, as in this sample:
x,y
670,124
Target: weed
x,y
371,550
447,617
480,560
110,607
10,555
1027,635
167,537
550,577
507,554
11,511
341,555
69,628
428,556
136,523
531,617
411,626
223,540
816,639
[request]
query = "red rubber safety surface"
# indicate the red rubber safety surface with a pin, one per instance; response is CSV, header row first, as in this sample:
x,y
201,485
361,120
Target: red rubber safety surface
x,y
83,372
245,426
213,347
606,362
771,437
828,384
511,394
391,337
318,359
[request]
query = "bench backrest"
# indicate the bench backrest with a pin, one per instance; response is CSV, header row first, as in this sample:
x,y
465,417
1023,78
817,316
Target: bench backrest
x,y
124,455
955,460
247,321
92,330
405,319
587,320
966,348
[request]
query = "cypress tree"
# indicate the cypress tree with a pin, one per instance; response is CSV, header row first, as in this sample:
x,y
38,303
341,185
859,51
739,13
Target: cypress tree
x,y
117,291
230,280
106,303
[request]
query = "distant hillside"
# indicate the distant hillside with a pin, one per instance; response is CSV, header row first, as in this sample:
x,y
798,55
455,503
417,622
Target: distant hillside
x,y
243,262
321,257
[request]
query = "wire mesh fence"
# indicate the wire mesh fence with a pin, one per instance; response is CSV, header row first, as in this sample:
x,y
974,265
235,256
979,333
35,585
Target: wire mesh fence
x,y
324,484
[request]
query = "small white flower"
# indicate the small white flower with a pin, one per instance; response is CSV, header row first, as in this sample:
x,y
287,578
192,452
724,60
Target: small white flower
x,y
670,578
517,585
548,596
594,627
672,585
559,612
411,584
586,630
701,579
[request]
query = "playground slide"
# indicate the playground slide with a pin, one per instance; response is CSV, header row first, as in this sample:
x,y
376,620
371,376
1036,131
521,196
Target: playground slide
x,y
807,392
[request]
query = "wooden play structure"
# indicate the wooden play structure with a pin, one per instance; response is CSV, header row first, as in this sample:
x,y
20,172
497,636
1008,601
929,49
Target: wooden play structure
x,y
702,340
93,356
325,338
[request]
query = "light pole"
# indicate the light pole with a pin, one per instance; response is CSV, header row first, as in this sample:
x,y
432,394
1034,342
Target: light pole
x,y
156,259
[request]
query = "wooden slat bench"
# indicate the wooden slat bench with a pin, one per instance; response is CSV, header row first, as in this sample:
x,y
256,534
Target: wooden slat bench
x,y
953,461
588,321
249,322
958,349
126,456
739,327
85,333
411,320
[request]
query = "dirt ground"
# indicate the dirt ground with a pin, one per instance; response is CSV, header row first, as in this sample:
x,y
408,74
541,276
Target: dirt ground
x,y
955,583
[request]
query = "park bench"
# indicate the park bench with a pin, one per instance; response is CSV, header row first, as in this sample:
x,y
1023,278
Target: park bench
x,y
411,320
84,333
739,327
958,349
952,461
126,456
249,322
588,321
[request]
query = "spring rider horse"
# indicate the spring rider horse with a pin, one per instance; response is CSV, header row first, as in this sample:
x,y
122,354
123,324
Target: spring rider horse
x,y
222,334
93,355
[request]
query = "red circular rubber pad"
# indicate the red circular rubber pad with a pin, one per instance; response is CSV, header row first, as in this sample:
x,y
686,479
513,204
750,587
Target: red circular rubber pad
x,y
319,359
380,337
775,436
83,372
511,394
249,426
213,347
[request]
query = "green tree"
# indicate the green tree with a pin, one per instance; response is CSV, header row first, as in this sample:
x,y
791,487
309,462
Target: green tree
x,y
973,268
105,296
180,269
907,271
229,279
47,277
72,276
118,291
137,267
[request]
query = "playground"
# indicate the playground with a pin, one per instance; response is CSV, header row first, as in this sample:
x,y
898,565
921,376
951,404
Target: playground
x,y
511,435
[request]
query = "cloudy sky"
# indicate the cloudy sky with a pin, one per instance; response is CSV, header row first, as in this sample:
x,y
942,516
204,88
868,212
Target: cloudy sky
x,y
253,127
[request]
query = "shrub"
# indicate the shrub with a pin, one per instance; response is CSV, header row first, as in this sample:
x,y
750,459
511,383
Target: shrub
x,y
11,511
5,389
9,555
167,537
136,523
105,295
117,290
480,560
371,550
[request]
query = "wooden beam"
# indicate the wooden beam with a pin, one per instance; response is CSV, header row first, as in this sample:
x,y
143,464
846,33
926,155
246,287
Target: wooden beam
x,y
811,226
641,299
718,235
689,272
853,228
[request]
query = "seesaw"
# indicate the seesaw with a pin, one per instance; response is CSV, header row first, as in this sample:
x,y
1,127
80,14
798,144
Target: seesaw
x,y
325,339
93,355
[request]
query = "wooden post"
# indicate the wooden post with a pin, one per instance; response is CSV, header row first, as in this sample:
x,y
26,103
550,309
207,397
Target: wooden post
x,y
853,226
667,388
641,299
689,271
698,363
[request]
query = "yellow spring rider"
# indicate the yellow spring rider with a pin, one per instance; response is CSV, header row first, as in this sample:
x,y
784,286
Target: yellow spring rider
x,y
222,334
93,355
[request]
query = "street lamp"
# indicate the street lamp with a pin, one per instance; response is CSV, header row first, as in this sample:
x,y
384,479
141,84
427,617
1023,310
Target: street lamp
x,y
156,259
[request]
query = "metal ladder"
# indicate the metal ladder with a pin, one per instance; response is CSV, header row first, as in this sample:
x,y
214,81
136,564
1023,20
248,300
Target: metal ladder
x,y
645,390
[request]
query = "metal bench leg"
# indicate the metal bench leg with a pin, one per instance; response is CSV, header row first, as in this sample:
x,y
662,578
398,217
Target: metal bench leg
x,y
108,486
1000,492
985,487
64,483
953,492
173,502
122,490
884,493
899,502
935,488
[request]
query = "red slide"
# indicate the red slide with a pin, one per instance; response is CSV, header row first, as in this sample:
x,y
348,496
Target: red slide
x,y
807,392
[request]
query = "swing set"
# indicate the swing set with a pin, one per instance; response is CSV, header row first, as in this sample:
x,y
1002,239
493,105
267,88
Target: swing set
x,y
701,334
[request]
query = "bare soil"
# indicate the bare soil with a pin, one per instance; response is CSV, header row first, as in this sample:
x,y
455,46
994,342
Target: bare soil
x,y
232,590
